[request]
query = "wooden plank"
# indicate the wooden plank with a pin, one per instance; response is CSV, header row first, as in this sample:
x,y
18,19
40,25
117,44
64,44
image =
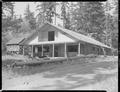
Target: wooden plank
x,y
23,50
32,51
53,50
42,49
79,49
65,53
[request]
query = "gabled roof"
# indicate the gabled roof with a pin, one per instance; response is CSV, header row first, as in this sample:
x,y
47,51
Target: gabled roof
x,y
76,35
81,37
15,41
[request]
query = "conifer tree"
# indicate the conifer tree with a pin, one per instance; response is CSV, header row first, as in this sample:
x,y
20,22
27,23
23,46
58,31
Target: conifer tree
x,y
29,16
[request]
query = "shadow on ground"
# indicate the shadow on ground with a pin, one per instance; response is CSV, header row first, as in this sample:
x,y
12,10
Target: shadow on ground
x,y
80,75
59,70
68,76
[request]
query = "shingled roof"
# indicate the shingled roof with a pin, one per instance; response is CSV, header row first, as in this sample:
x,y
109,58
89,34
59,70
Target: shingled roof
x,y
81,37
16,41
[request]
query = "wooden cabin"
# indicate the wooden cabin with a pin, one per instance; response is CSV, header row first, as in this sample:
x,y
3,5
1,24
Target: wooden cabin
x,y
13,46
54,41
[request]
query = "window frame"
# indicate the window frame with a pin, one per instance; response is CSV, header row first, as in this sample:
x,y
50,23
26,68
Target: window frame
x,y
72,48
51,35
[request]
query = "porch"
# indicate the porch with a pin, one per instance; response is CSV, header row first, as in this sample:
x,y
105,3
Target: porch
x,y
55,50
51,50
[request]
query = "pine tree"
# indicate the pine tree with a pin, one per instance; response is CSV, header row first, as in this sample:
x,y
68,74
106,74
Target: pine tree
x,y
7,7
65,14
111,22
78,18
89,17
95,16
29,16
16,23
68,24
7,15
46,11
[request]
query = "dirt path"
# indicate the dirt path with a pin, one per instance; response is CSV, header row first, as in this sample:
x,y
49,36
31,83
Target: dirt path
x,y
110,85
75,76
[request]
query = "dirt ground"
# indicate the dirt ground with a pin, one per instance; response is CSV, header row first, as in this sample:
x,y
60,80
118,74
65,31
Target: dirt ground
x,y
75,76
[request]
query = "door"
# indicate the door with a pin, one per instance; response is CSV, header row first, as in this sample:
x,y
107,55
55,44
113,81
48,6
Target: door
x,y
56,51
39,51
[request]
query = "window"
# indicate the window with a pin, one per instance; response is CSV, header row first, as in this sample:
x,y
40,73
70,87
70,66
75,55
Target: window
x,y
51,36
73,48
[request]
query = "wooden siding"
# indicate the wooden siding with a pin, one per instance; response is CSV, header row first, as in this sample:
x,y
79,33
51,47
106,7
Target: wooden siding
x,y
43,37
13,47
71,54
62,37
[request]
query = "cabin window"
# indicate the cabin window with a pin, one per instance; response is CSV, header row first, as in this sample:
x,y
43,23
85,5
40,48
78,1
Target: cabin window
x,y
73,48
51,36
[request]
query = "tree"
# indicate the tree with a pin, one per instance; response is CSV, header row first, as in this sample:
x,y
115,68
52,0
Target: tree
x,y
16,23
7,15
111,22
89,17
46,11
115,23
9,20
78,20
65,15
68,24
25,26
29,16
7,9
28,13
95,16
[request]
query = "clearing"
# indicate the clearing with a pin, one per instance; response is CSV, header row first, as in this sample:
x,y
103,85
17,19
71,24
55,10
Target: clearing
x,y
100,75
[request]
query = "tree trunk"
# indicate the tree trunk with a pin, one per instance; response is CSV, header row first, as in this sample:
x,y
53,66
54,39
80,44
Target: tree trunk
x,y
111,44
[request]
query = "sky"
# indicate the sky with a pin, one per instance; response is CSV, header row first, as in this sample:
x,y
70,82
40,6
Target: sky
x,y
19,8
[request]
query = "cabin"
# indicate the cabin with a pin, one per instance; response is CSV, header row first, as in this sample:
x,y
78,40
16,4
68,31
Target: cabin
x,y
54,41
13,46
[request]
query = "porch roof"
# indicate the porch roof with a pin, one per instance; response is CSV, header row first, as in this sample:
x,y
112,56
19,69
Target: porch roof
x,y
50,42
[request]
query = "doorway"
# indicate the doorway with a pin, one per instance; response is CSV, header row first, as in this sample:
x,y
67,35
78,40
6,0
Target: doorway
x,y
56,51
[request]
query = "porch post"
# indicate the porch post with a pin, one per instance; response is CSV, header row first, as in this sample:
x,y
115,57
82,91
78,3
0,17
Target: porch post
x,y
53,50
32,50
42,49
104,51
79,49
65,53
23,50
